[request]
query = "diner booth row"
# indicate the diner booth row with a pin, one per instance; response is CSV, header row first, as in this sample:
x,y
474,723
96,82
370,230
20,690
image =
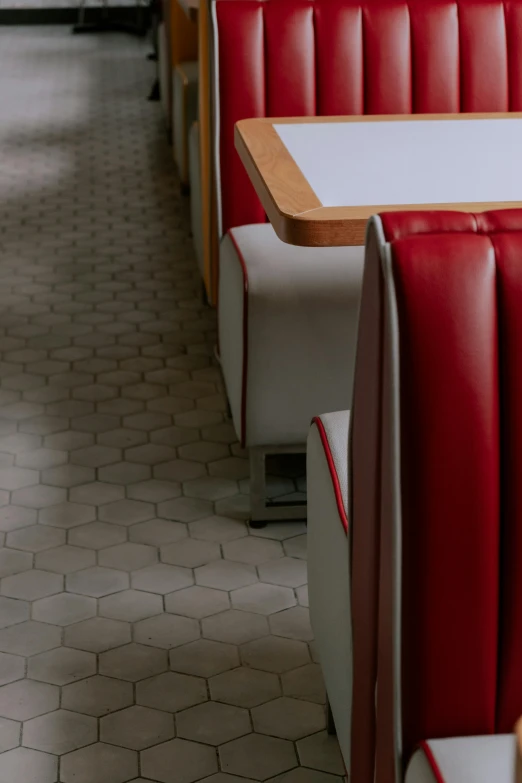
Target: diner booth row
x,y
414,517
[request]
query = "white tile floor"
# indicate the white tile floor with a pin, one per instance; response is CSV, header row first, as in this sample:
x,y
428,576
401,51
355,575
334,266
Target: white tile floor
x,y
147,633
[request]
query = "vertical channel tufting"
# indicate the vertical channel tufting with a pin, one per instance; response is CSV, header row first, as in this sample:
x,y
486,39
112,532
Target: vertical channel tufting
x,y
513,17
508,248
290,53
387,63
484,58
339,56
306,57
435,66
241,94
450,484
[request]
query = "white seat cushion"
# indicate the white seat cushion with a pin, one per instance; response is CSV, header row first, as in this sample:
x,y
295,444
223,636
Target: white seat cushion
x,y
488,759
287,332
329,564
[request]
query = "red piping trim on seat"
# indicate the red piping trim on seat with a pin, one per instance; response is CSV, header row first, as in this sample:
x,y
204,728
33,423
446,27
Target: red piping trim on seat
x,y
244,374
333,472
432,762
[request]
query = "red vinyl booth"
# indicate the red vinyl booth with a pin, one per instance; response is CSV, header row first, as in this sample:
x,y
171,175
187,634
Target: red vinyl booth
x,y
296,58
286,314
432,503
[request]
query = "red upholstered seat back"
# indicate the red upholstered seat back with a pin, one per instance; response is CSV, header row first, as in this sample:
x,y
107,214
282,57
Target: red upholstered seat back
x,y
448,485
325,57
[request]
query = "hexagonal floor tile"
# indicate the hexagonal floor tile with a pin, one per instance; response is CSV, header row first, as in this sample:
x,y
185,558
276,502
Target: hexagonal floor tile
x,y
212,723
11,668
190,553
190,760
162,578
171,692
137,728
244,687
262,598
98,763
235,507
35,538
233,468
302,596
126,512
61,666
123,473
225,575
29,638
67,515
40,459
97,581
257,757
31,766
97,493
235,627
130,605
26,699
133,662
128,557
280,531
197,602
304,775
64,609
286,571
97,696
158,532
95,456
252,550
39,496
97,535
210,488
65,559
16,478
30,585
275,654
204,658
203,451
12,611
14,562
218,528
68,476
321,752
154,491
97,634
292,623
184,509
59,732
14,517
288,718
305,683
9,734
166,631
296,547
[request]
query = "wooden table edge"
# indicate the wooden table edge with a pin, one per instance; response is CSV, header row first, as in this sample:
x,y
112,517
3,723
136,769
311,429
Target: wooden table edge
x,y
306,222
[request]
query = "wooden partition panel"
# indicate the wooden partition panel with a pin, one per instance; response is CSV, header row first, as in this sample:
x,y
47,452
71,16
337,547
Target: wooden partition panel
x,y
183,34
206,131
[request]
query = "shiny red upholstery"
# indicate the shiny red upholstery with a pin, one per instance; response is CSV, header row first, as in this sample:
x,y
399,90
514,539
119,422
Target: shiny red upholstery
x,y
324,57
454,281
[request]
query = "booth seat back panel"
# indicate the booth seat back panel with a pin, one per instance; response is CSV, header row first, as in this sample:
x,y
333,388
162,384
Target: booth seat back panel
x,y
327,57
459,309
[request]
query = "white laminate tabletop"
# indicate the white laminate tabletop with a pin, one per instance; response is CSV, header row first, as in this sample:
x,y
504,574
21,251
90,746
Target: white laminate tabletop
x,y
413,162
